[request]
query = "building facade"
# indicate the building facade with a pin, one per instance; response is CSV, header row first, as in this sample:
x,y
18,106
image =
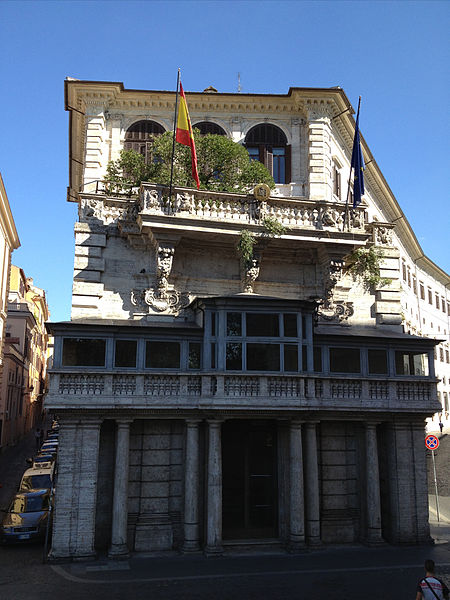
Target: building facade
x,y
25,366
9,241
205,403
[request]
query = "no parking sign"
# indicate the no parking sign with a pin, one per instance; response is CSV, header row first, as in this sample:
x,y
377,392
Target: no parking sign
x,y
432,442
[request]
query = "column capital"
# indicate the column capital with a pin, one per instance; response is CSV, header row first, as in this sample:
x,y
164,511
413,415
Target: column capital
x,y
311,424
91,422
371,424
124,422
214,422
296,424
192,422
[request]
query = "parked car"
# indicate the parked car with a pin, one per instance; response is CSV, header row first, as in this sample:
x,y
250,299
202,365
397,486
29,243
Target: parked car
x,y
43,461
27,516
37,479
49,446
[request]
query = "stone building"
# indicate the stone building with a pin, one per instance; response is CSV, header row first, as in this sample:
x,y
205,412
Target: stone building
x,y
9,241
204,405
25,366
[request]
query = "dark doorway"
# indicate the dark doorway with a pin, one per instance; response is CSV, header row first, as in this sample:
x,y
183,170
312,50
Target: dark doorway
x,y
250,490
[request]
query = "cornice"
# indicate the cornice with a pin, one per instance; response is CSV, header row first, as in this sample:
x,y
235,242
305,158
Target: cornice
x,y
7,219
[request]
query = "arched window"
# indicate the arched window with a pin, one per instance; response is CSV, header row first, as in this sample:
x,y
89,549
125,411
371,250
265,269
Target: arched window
x,y
268,144
208,127
138,136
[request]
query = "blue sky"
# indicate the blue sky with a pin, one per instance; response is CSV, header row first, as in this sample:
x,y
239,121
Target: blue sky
x,y
394,54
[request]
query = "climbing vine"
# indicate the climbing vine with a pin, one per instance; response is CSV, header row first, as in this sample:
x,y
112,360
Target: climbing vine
x,y
365,264
247,240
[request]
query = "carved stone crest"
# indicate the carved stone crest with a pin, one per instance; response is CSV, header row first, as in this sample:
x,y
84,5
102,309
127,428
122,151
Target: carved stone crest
x,y
160,300
336,311
251,274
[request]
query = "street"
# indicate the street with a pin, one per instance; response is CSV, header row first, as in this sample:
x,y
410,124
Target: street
x,y
330,573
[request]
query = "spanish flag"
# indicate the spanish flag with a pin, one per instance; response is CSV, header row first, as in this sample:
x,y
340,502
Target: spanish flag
x,y
184,134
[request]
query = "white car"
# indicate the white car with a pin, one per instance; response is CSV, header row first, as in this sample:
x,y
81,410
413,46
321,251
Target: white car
x,y
37,479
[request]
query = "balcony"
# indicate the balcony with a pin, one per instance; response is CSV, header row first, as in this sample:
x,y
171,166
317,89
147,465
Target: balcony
x,y
207,213
238,392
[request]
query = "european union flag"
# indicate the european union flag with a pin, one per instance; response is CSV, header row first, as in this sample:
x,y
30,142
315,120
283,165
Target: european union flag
x,y
358,165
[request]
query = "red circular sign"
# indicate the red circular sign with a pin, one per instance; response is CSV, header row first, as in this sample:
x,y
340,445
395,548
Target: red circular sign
x,y
432,442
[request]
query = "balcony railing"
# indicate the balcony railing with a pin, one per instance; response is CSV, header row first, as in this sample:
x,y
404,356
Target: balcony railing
x,y
238,209
187,391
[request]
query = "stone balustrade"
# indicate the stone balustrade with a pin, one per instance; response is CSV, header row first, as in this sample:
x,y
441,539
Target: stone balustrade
x,y
233,209
296,213
222,390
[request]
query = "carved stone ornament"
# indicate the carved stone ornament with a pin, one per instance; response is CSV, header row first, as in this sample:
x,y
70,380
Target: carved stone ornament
x,y
165,261
251,274
383,236
167,301
336,311
332,274
90,209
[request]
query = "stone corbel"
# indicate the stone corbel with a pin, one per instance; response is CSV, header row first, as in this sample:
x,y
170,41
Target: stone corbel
x,y
250,275
381,233
332,309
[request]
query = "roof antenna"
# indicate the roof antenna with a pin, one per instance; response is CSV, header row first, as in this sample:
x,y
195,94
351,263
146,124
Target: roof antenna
x,y
239,83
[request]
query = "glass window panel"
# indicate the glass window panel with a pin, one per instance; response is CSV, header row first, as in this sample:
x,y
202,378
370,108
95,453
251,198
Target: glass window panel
x,y
234,324
213,356
345,360
253,153
195,354
263,357
83,352
213,323
162,355
378,362
317,357
234,357
304,358
125,355
279,163
290,357
304,328
411,363
262,325
290,325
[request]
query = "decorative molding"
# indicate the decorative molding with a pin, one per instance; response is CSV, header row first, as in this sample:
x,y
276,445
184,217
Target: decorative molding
x,y
161,300
336,311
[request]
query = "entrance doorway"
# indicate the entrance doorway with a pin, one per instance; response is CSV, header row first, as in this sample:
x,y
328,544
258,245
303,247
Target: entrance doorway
x,y
250,487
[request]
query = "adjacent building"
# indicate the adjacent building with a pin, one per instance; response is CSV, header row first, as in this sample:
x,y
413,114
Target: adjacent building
x,y
205,403
25,365
9,241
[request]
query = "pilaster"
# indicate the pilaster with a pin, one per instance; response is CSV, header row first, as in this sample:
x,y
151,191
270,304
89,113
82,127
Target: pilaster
x,y
214,490
297,509
191,488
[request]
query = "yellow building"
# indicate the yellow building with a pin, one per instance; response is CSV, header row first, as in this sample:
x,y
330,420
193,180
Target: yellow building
x,y
25,365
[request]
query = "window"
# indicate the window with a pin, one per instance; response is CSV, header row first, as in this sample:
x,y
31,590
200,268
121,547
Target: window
x,y
404,271
83,352
290,325
411,363
436,297
262,325
345,360
139,135
234,324
162,355
263,357
414,285
409,277
290,357
195,355
422,291
336,182
443,305
233,357
447,357
125,355
445,401
206,127
378,362
441,354
430,296
268,144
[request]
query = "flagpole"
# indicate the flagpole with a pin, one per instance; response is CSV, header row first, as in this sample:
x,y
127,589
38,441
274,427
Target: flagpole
x,y
350,177
174,135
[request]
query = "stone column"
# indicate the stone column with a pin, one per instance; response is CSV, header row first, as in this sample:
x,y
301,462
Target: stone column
x,y
67,472
119,548
297,517
191,486
373,503
312,506
85,489
421,483
214,490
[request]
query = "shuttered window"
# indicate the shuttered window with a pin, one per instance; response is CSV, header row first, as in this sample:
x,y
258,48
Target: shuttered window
x,y
206,127
139,136
268,144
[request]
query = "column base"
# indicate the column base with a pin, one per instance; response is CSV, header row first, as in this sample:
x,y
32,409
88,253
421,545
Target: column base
x,y
314,542
211,551
119,552
190,548
374,541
